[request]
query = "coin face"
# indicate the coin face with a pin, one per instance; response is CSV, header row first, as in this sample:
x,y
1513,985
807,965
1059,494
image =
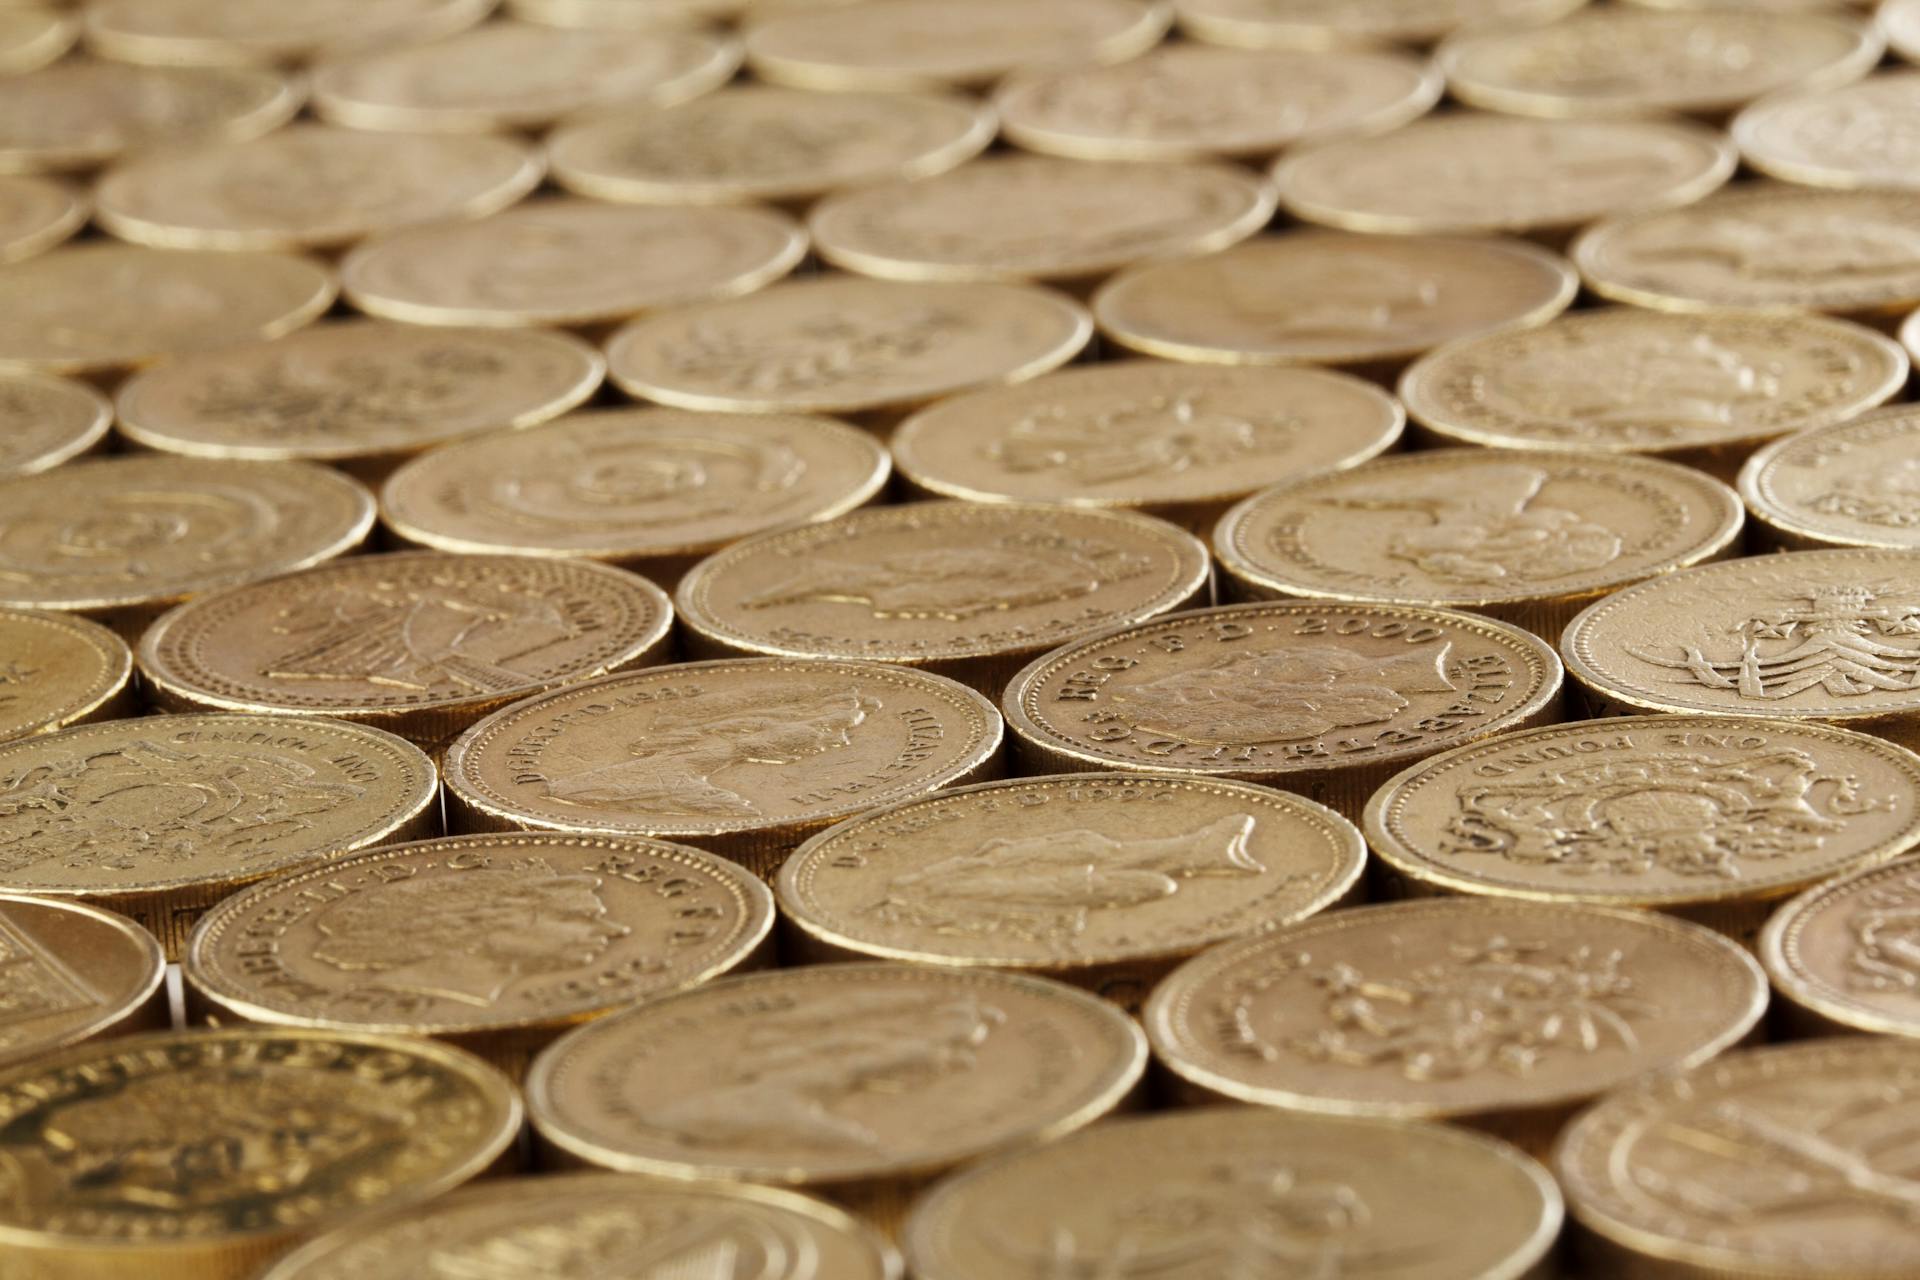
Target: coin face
x,y
226,32
1848,484
58,671
840,344
97,308
32,37
1692,1168
1319,297
553,1222
762,142
512,74
1701,389
1615,61
1844,950
1187,100
37,214
569,262
1195,1193
653,489
1820,635
1319,24
418,642
82,113
1418,1009
74,973
1472,174
908,44
834,1074
45,421
1858,135
362,394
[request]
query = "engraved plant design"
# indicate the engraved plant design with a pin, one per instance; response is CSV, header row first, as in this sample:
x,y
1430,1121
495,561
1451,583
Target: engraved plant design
x,y
1792,245
1888,496
1650,389
1886,940
824,352
361,392
1160,435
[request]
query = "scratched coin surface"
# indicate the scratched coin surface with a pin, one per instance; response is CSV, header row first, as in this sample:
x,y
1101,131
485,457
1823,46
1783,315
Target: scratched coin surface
x,y
58,670
226,32
31,37
1845,951
1853,483
1321,24
763,142
1330,298
569,262
842,344
45,421
1471,173
1195,1195
1865,134
81,113
36,214
74,973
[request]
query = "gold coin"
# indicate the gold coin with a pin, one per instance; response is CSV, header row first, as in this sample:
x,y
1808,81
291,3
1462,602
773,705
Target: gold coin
x,y
1763,247
1020,217
1472,174
511,74
122,538
524,1227
59,671
31,37
422,644
496,943
45,421
861,1081
762,142
98,308
846,345
75,973
744,758
1830,636
1782,1162
1842,953
1323,699
569,262
967,590
1327,298
83,113
1324,24
202,1155
1715,818
1900,23
1850,484
1196,1194
230,32
362,395
309,186
160,817
1504,1015
1616,60
36,214
1103,880
1705,390
909,44
1858,135
1529,538
1184,101
653,490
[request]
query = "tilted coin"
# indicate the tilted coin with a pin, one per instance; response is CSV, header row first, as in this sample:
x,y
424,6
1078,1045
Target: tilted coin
x,y
972,591
1784,1162
1831,636
36,214
908,44
98,308
745,758
229,32
845,345
74,973
1506,1016
861,1081
1323,699
1322,24
602,1222
653,490
1176,441
362,395
1614,60
616,15
1183,101
1328,298
57,671
160,817
45,421
1196,1194
31,37
1530,538
1704,390
510,74
82,113
1843,954
1900,23
202,1155
309,186
1471,174
1715,818
496,943
122,538
1851,483
419,643
762,142
1103,880
569,262
1865,134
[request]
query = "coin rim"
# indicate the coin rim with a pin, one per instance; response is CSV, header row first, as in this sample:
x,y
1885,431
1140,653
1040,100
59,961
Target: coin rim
x,y
1251,33
116,661
84,442
61,228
